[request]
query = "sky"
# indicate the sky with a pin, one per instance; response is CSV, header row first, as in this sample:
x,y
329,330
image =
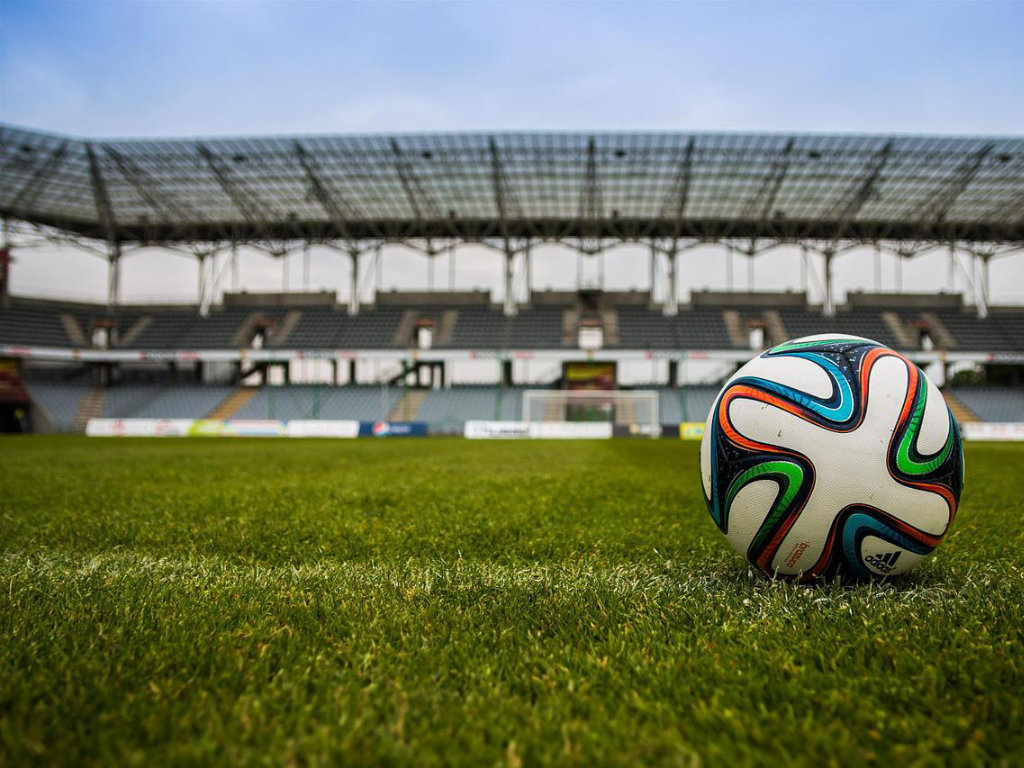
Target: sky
x,y
146,69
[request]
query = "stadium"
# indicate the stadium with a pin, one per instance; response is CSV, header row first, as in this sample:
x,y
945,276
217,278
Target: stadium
x,y
395,364
511,384
393,356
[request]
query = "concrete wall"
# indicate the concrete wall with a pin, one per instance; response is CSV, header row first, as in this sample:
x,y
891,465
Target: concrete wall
x,y
433,298
293,299
734,299
859,299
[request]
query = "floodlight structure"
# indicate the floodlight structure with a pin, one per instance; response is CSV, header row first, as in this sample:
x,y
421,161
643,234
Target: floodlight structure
x,y
748,193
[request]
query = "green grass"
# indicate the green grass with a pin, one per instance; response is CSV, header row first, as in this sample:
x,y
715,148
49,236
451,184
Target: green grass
x,y
443,601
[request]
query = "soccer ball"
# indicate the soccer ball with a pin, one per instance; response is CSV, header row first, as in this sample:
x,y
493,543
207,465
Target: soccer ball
x,y
832,456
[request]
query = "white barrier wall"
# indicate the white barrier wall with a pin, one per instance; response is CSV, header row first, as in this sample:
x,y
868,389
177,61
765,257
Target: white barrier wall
x,y
216,428
325,428
538,430
474,430
138,427
496,430
991,430
253,428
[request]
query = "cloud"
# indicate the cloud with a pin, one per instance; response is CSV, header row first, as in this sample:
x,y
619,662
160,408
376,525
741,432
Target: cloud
x,y
154,69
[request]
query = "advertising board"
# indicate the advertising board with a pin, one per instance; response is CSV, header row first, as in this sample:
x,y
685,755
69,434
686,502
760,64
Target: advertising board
x,y
138,427
321,428
392,428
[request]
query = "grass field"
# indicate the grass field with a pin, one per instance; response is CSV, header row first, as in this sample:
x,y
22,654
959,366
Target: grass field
x,y
443,601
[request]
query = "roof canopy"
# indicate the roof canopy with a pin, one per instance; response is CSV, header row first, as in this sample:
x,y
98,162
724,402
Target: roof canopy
x,y
531,185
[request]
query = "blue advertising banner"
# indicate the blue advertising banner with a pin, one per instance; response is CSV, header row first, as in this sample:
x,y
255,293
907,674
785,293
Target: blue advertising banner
x,y
392,428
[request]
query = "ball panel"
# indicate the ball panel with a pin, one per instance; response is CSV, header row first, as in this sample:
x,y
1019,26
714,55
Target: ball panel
x,y
798,373
706,446
748,511
935,424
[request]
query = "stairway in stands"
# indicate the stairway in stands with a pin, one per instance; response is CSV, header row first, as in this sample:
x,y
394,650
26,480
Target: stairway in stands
x,y
91,407
734,325
570,327
775,328
134,331
904,335
961,412
610,325
73,330
232,404
408,405
938,331
284,329
446,328
403,333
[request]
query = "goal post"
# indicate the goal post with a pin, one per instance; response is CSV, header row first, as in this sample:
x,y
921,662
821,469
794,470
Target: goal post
x,y
618,406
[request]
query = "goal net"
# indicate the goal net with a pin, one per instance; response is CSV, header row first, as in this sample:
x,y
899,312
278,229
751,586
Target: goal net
x,y
621,407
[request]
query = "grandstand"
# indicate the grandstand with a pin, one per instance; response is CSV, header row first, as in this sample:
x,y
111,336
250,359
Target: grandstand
x,y
403,355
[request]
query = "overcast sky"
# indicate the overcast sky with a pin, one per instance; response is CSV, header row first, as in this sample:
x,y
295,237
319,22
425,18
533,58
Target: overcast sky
x,y
177,68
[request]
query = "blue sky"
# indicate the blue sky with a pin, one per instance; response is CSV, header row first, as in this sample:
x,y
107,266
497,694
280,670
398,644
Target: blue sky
x,y
139,68
185,68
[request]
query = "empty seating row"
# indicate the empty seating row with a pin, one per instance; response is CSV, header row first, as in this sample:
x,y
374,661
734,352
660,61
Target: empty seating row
x,y
173,401
460,404
858,322
690,403
481,327
1001,332
325,328
993,403
58,399
33,326
692,328
298,401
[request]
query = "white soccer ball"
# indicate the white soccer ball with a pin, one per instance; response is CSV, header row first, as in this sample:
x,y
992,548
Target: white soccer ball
x,y
832,456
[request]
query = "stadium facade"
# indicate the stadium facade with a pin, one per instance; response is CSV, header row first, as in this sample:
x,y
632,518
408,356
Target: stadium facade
x,y
827,195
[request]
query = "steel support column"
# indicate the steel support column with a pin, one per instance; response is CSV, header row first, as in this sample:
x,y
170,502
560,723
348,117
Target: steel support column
x,y
378,267
305,267
672,299
652,273
510,298
353,294
113,276
983,284
201,287
528,256
234,267
803,270
952,268
829,300
878,268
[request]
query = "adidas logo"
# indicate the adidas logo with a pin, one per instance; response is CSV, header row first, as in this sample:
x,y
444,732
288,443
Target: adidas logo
x,y
885,562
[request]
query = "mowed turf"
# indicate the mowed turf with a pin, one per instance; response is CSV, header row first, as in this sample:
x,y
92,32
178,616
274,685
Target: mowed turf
x,y
444,601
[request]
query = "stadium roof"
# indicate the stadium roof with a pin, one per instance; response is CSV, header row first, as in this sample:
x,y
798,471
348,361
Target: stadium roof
x,y
530,185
